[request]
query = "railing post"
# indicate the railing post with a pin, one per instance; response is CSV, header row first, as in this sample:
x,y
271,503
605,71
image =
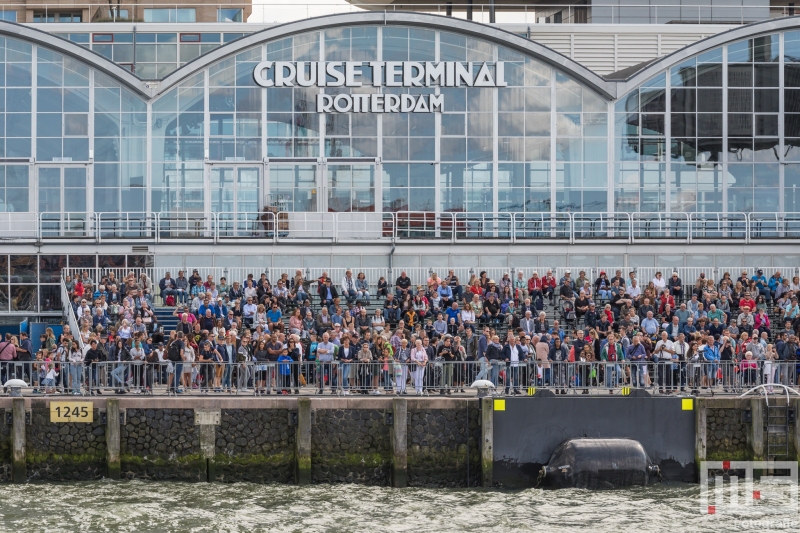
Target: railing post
x,y
98,221
513,228
215,227
571,228
747,227
689,228
630,227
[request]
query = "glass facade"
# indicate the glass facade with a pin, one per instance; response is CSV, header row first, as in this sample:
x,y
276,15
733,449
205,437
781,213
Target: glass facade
x,y
708,135
30,283
153,55
717,133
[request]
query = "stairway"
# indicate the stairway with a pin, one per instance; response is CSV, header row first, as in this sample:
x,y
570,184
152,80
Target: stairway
x,y
777,431
165,318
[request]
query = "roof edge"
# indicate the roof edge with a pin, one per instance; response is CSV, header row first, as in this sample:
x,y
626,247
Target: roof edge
x,y
63,46
720,39
605,88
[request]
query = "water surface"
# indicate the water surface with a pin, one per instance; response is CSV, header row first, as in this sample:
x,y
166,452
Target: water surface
x,y
142,506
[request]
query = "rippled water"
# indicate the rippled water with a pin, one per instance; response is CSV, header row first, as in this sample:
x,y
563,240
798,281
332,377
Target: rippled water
x,y
140,506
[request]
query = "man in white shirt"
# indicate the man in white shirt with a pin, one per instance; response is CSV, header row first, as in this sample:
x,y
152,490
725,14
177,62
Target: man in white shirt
x,y
349,287
681,348
663,354
249,312
634,291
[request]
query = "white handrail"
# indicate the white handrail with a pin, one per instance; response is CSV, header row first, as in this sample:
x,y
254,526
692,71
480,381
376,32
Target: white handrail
x,y
398,226
66,305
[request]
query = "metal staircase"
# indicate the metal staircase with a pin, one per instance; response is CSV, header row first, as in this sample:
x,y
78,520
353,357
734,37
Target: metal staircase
x,y
777,430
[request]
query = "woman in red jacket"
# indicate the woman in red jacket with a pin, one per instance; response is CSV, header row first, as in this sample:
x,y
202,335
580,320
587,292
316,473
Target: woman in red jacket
x,y
664,300
535,288
549,285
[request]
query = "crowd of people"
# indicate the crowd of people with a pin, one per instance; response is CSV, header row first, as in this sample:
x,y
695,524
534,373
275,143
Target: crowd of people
x,y
355,335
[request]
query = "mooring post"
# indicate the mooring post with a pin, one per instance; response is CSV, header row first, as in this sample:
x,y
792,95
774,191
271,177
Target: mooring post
x,y
112,438
487,441
18,468
700,431
795,404
207,421
303,442
400,443
757,428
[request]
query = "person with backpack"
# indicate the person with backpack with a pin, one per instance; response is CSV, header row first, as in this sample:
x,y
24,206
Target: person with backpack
x,y
175,354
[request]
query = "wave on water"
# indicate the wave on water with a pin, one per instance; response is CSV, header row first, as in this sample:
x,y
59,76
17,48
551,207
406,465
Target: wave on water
x,y
143,506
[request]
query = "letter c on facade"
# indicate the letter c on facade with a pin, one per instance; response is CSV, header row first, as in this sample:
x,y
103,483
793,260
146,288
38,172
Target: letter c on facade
x,y
260,74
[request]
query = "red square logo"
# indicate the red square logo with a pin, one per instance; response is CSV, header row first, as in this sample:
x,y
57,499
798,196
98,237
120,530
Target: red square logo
x,y
756,494
712,509
726,465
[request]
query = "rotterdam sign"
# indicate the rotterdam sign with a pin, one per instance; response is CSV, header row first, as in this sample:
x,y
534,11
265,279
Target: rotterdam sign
x,y
402,74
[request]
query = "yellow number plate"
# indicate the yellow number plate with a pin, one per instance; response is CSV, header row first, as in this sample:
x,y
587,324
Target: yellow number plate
x,y
72,412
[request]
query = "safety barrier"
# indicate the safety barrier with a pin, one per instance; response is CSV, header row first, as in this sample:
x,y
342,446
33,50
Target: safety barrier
x,y
284,226
388,376
417,275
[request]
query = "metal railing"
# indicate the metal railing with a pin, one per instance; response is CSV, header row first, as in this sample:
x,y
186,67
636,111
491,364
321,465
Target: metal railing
x,y
285,11
398,226
418,275
387,376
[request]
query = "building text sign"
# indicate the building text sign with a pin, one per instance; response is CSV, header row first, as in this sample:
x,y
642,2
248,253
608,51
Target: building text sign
x,y
383,74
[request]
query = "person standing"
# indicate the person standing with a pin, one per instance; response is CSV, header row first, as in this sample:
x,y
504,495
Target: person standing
x,y
663,353
419,360
402,357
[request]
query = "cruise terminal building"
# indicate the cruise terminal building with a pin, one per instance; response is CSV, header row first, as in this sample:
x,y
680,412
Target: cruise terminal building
x,y
390,140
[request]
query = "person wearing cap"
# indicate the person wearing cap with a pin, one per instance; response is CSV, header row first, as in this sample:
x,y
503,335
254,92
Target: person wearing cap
x,y
327,293
568,278
761,283
602,286
674,284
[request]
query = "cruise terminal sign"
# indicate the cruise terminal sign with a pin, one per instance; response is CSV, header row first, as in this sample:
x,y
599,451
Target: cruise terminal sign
x,y
384,74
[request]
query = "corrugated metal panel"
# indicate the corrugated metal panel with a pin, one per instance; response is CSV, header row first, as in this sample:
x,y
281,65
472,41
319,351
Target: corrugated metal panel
x,y
635,49
595,52
671,42
560,42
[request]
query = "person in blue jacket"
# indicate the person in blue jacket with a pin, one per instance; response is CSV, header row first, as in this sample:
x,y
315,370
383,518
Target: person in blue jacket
x,y
710,354
285,371
761,283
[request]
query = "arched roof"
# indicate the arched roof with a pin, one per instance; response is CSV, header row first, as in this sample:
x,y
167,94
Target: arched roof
x,y
68,48
715,41
152,89
436,22
609,89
